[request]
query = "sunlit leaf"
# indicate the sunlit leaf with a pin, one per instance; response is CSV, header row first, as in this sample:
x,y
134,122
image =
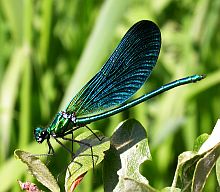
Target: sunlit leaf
x,y
170,189
218,170
204,167
85,157
129,150
38,169
212,140
199,141
193,167
185,168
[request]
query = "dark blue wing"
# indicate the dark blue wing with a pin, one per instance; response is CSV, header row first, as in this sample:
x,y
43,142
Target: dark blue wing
x,y
123,74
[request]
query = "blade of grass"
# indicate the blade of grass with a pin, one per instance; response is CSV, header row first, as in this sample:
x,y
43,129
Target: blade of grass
x,y
12,164
45,30
9,90
13,12
25,112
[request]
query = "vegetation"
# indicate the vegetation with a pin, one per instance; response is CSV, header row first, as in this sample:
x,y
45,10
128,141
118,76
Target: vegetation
x,y
50,49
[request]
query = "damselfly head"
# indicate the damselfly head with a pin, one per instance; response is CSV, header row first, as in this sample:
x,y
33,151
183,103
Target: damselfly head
x,y
40,134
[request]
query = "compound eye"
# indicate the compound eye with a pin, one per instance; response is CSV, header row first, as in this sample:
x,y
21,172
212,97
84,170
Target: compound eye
x,y
40,135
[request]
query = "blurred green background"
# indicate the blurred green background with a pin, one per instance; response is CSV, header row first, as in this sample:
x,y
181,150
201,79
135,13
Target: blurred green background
x,y
50,49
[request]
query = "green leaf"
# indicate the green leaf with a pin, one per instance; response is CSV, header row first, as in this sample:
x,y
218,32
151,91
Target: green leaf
x,y
199,141
218,170
133,185
185,169
193,167
171,189
212,140
38,169
129,149
204,167
84,159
